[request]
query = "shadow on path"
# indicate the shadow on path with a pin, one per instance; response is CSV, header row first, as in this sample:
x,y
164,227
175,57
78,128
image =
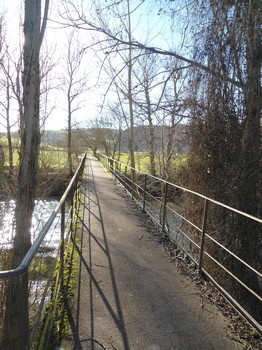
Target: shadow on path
x,y
93,233
129,295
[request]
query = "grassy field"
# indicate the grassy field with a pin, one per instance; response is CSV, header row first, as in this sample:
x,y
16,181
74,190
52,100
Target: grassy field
x,y
143,161
55,158
50,157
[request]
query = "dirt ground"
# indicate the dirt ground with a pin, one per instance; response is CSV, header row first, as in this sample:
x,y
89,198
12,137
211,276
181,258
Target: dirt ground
x,y
130,295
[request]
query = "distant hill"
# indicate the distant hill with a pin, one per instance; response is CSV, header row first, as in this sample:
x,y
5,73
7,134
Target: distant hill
x,y
180,145
50,137
54,138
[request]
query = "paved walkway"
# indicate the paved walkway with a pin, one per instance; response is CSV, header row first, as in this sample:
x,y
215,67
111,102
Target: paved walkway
x,y
130,296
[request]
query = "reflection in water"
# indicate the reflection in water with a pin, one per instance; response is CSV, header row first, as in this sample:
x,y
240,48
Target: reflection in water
x,y
43,210
7,226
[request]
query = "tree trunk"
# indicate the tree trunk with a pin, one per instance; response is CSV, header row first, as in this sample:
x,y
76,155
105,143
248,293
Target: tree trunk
x,y
151,133
130,98
69,137
250,166
8,127
169,151
16,328
251,137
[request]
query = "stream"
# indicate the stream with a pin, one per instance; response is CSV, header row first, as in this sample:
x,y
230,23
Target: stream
x,y
43,210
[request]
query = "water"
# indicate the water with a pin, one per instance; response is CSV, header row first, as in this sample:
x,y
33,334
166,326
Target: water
x,y
39,293
43,210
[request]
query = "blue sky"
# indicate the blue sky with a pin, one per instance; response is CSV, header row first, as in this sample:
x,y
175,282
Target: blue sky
x,y
149,27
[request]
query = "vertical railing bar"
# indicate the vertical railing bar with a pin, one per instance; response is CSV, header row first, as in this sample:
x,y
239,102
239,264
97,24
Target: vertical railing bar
x,y
120,171
133,182
114,167
73,201
119,174
62,246
202,243
144,194
164,207
111,166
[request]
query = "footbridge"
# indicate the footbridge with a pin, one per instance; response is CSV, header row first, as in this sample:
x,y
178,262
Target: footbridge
x,y
122,276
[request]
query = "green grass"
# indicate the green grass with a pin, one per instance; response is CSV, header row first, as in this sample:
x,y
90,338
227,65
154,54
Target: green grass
x,y
39,269
50,157
143,161
53,158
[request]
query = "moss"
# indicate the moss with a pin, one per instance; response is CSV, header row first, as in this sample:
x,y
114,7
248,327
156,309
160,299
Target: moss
x,y
56,323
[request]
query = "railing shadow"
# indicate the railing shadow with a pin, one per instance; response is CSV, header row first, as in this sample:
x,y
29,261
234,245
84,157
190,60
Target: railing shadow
x,y
206,231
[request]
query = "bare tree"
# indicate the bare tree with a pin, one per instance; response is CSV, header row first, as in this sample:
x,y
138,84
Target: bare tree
x,y
130,97
5,114
74,84
47,86
122,12
105,132
144,74
10,88
173,107
16,329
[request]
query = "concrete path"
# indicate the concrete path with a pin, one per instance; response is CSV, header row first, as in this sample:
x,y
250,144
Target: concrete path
x,y
130,296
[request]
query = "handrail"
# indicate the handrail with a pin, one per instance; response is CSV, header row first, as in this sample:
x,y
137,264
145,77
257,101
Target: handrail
x,y
140,194
33,249
255,218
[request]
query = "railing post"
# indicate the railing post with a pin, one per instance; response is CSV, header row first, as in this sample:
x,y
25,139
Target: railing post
x,y
114,168
202,243
111,166
62,245
73,204
144,194
133,182
119,172
164,201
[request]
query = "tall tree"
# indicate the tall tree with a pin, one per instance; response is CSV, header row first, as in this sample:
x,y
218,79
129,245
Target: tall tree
x,y
231,114
16,328
10,92
225,156
130,96
123,13
5,115
145,75
74,84
173,107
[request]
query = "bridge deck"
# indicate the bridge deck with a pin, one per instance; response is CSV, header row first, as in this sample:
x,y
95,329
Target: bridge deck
x,y
130,295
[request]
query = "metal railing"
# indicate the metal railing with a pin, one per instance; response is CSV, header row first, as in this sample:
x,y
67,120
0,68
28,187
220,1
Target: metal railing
x,y
66,228
204,233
